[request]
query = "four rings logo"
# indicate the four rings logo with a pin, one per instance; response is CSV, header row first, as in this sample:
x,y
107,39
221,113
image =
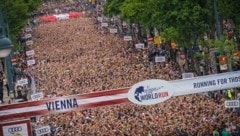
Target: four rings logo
x,y
43,130
14,130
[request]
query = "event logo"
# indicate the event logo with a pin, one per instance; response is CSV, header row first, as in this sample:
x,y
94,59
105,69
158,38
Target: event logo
x,y
150,92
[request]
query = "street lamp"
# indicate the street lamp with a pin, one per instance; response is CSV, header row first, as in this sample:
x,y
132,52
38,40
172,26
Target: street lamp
x,y
5,45
5,50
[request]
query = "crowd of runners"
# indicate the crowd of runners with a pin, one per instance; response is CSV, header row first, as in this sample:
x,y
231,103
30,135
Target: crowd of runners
x,y
74,57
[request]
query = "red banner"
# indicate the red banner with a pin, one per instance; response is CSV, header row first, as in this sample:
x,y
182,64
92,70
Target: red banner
x,y
64,104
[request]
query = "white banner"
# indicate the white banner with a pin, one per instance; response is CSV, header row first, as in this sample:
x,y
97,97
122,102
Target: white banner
x,y
37,96
154,91
30,53
232,104
127,38
31,62
113,31
139,46
187,75
43,130
160,59
206,83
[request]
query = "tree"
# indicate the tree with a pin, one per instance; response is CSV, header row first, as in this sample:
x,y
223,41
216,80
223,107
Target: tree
x,y
17,13
112,7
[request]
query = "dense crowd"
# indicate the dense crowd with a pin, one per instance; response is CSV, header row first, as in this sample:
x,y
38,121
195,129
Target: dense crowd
x,y
74,57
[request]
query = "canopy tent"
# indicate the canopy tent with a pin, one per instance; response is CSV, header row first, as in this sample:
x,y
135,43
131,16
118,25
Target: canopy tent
x,y
48,18
54,18
75,14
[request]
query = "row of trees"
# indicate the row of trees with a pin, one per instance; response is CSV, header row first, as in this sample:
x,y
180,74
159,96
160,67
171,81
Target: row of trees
x,y
16,14
183,21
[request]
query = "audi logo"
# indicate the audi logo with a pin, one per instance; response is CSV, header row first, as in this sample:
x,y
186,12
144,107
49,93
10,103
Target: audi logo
x,y
14,129
44,130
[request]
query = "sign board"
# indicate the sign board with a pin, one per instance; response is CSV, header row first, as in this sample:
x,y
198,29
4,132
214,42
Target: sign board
x,y
223,67
157,40
150,39
28,29
37,96
124,24
104,24
113,31
232,104
127,38
139,46
13,60
30,53
100,19
22,82
31,62
29,42
27,36
15,128
43,130
19,100
160,59
187,75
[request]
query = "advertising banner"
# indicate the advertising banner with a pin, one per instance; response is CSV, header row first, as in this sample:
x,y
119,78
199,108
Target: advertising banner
x,y
16,128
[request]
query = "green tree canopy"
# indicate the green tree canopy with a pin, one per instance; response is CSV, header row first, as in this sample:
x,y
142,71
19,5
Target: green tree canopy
x,y
16,14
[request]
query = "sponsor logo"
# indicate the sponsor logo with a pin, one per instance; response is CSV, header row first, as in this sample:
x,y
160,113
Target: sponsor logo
x,y
44,130
150,92
14,130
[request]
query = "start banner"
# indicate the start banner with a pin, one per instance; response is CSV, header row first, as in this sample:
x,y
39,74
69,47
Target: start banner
x,y
147,92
